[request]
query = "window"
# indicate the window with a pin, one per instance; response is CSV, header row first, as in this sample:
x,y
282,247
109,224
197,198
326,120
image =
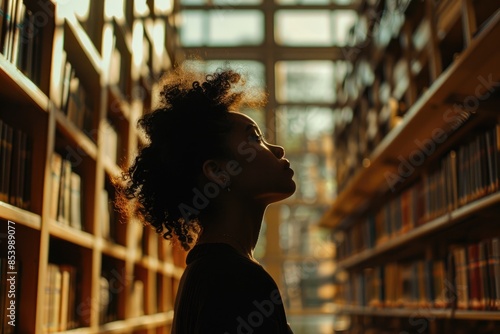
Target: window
x,y
222,28
305,81
313,27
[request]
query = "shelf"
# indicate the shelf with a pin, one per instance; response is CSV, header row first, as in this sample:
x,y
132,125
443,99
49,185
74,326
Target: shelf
x,y
143,322
76,135
19,89
118,103
115,250
478,61
159,266
421,231
20,216
77,43
111,168
71,235
121,326
422,312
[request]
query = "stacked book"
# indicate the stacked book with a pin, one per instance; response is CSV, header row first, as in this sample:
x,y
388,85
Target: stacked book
x,y
66,198
15,166
21,37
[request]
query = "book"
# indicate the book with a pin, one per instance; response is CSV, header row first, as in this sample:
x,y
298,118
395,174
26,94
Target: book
x,y
474,280
15,166
110,141
461,278
104,214
7,161
56,170
484,276
76,201
493,250
17,38
68,305
14,191
59,298
65,195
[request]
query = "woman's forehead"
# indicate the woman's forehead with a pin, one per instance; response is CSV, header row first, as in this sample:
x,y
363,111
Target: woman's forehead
x,y
242,121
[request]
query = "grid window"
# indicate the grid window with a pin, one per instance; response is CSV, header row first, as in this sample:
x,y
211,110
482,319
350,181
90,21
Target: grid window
x,y
305,81
222,28
313,27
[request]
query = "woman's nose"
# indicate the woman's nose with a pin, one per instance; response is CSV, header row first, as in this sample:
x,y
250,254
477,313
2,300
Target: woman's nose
x,y
278,151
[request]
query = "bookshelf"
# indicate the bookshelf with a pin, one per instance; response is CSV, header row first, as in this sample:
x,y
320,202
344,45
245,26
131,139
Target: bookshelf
x,y
74,79
416,150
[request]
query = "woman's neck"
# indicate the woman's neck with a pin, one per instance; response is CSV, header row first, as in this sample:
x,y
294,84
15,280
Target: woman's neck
x,y
238,227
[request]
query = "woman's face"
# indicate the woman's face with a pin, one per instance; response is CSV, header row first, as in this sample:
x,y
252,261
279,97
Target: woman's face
x,y
260,171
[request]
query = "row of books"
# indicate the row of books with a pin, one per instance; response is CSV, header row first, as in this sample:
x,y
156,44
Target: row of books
x,y
75,102
21,37
66,195
10,272
60,298
15,166
468,278
380,90
465,174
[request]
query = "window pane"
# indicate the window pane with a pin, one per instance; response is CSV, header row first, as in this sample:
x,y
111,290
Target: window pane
x,y
228,3
342,21
302,129
193,2
233,28
317,2
294,27
306,133
191,32
236,2
222,28
305,81
303,2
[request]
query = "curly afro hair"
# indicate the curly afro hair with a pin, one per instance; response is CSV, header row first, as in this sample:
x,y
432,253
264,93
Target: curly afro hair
x,y
189,127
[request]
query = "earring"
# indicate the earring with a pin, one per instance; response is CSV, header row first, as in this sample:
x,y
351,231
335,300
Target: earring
x,y
225,183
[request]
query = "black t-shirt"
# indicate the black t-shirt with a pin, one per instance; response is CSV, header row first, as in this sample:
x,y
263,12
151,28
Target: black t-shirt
x,y
222,292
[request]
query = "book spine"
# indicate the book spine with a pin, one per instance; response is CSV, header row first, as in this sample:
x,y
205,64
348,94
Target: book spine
x,y
474,281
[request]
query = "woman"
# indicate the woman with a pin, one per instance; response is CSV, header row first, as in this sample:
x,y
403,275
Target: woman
x,y
205,180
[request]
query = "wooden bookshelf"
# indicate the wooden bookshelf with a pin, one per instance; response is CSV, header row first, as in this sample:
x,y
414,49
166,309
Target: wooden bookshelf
x,y
82,268
444,50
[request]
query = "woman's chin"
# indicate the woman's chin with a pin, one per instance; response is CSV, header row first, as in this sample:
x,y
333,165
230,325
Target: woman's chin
x,y
281,195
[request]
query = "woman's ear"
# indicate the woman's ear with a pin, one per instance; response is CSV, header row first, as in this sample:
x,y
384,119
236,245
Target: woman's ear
x,y
214,173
